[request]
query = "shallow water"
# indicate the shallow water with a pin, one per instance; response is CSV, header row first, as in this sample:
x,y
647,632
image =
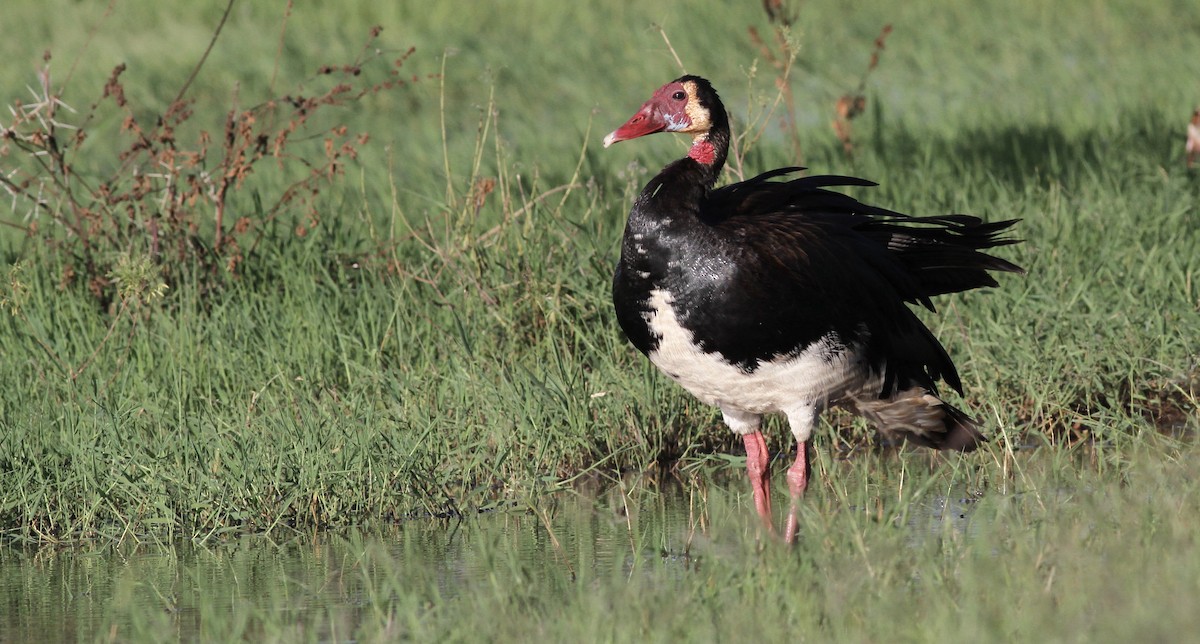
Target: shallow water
x,y
103,592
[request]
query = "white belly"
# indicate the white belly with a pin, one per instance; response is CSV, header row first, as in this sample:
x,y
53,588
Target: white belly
x,y
808,378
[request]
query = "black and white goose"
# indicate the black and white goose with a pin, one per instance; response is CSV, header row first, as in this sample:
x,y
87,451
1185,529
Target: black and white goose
x,y
781,296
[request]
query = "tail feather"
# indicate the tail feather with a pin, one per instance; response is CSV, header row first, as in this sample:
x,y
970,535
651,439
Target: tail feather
x,y
922,418
944,254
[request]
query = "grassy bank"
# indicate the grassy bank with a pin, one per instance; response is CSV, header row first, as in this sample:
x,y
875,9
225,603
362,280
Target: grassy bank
x,y
434,346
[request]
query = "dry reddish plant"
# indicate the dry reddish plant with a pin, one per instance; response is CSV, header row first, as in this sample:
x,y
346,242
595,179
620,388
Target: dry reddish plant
x,y
780,52
1193,139
171,195
852,104
777,12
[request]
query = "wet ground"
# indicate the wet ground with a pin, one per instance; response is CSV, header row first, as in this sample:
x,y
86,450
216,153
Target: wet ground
x,y
91,591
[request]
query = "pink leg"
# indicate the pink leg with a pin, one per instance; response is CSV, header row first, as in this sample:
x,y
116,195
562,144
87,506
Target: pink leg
x,y
756,467
797,478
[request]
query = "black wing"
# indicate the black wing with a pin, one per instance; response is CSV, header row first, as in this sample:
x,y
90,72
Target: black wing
x,y
820,261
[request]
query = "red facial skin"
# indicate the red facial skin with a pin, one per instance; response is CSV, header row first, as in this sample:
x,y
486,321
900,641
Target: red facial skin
x,y
664,112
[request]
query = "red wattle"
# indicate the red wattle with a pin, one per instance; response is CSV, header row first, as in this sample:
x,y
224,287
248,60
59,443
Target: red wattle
x,y
703,152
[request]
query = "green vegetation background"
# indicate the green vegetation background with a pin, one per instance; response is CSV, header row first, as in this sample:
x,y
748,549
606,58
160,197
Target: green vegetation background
x,y
421,350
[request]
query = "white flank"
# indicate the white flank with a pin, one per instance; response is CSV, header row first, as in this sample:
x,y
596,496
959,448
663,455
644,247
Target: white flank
x,y
804,381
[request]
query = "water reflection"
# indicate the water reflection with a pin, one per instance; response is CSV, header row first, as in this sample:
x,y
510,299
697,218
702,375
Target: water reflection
x,y
180,590
85,592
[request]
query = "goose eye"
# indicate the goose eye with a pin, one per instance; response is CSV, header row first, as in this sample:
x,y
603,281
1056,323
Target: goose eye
x,y
679,96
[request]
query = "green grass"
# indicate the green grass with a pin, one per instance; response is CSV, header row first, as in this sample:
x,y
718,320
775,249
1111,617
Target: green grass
x,y
416,354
